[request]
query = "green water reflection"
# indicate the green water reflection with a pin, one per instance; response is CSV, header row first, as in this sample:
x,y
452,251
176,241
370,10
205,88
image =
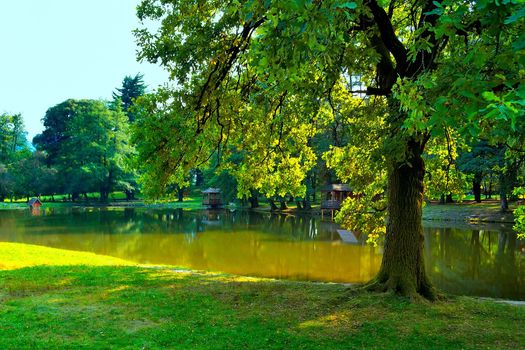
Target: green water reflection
x,y
484,261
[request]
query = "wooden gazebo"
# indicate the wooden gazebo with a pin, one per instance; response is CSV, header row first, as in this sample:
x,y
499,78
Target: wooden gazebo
x,y
333,196
211,197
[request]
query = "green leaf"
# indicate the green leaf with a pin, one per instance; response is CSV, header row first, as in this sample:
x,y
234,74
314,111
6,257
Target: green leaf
x,y
349,5
490,96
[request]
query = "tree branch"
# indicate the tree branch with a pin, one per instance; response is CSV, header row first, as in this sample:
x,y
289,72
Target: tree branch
x,y
388,35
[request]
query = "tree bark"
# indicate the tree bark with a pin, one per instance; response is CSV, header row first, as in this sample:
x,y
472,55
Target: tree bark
x,y
104,195
273,207
504,203
254,201
403,268
476,187
130,195
306,204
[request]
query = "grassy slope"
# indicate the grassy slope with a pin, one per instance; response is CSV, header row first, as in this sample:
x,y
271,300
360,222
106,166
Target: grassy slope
x,y
130,307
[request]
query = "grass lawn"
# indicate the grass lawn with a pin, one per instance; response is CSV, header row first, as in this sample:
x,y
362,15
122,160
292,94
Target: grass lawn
x,y
91,306
486,211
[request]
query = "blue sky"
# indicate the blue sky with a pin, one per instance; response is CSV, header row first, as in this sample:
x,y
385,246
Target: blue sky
x,y
52,50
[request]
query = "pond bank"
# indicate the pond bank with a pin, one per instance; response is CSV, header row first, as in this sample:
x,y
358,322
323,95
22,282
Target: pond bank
x,y
134,307
465,212
472,212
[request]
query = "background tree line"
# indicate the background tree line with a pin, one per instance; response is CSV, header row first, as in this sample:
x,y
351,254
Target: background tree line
x,y
86,147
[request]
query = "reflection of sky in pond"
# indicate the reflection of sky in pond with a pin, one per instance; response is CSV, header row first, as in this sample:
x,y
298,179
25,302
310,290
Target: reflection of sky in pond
x,y
484,261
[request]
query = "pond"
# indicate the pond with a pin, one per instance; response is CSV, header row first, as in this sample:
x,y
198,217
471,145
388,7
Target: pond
x,y
468,260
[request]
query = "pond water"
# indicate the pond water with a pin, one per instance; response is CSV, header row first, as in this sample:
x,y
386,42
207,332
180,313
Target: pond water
x,y
470,260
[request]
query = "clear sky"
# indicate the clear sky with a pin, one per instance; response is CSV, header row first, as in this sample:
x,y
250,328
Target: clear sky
x,y
52,50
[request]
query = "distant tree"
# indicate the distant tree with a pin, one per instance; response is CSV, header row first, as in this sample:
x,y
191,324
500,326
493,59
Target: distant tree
x,y
443,177
55,133
13,141
132,87
87,142
6,183
13,148
32,176
480,161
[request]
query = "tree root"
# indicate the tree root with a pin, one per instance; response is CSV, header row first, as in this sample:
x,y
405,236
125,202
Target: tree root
x,y
396,286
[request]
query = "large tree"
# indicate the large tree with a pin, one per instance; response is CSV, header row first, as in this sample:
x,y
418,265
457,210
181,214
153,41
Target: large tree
x,y
87,142
132,87
481,161
257,76
13,141
14,148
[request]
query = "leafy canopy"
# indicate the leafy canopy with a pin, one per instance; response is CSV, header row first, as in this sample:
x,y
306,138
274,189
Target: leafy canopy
x,y
263,78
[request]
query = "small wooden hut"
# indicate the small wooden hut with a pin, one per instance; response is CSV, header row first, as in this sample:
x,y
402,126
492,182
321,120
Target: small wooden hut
x,y
334,195
211,197
34,203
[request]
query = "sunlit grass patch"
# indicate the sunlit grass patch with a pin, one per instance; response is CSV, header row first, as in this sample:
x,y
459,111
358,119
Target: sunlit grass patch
x,y
17,255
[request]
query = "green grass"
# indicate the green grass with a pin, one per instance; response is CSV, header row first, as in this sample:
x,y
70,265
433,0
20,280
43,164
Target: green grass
x,y
468,211
8,205
190,202
17,255
133,307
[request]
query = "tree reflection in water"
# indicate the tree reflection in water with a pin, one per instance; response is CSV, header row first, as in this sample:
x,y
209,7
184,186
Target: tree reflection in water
x,y
476,261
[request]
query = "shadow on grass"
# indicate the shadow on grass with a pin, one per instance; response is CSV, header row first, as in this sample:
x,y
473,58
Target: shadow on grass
x,y
132,307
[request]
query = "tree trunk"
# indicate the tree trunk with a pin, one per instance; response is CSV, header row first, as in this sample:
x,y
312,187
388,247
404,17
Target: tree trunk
x,y
199,178
254,201
273,207
283,204
503,184
504,202
180,194
130,195
306,204
403,268
476,187
104,195
449,198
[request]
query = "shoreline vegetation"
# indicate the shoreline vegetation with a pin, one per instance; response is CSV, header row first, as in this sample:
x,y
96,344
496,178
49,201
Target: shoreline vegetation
x,y
54,298
468,212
